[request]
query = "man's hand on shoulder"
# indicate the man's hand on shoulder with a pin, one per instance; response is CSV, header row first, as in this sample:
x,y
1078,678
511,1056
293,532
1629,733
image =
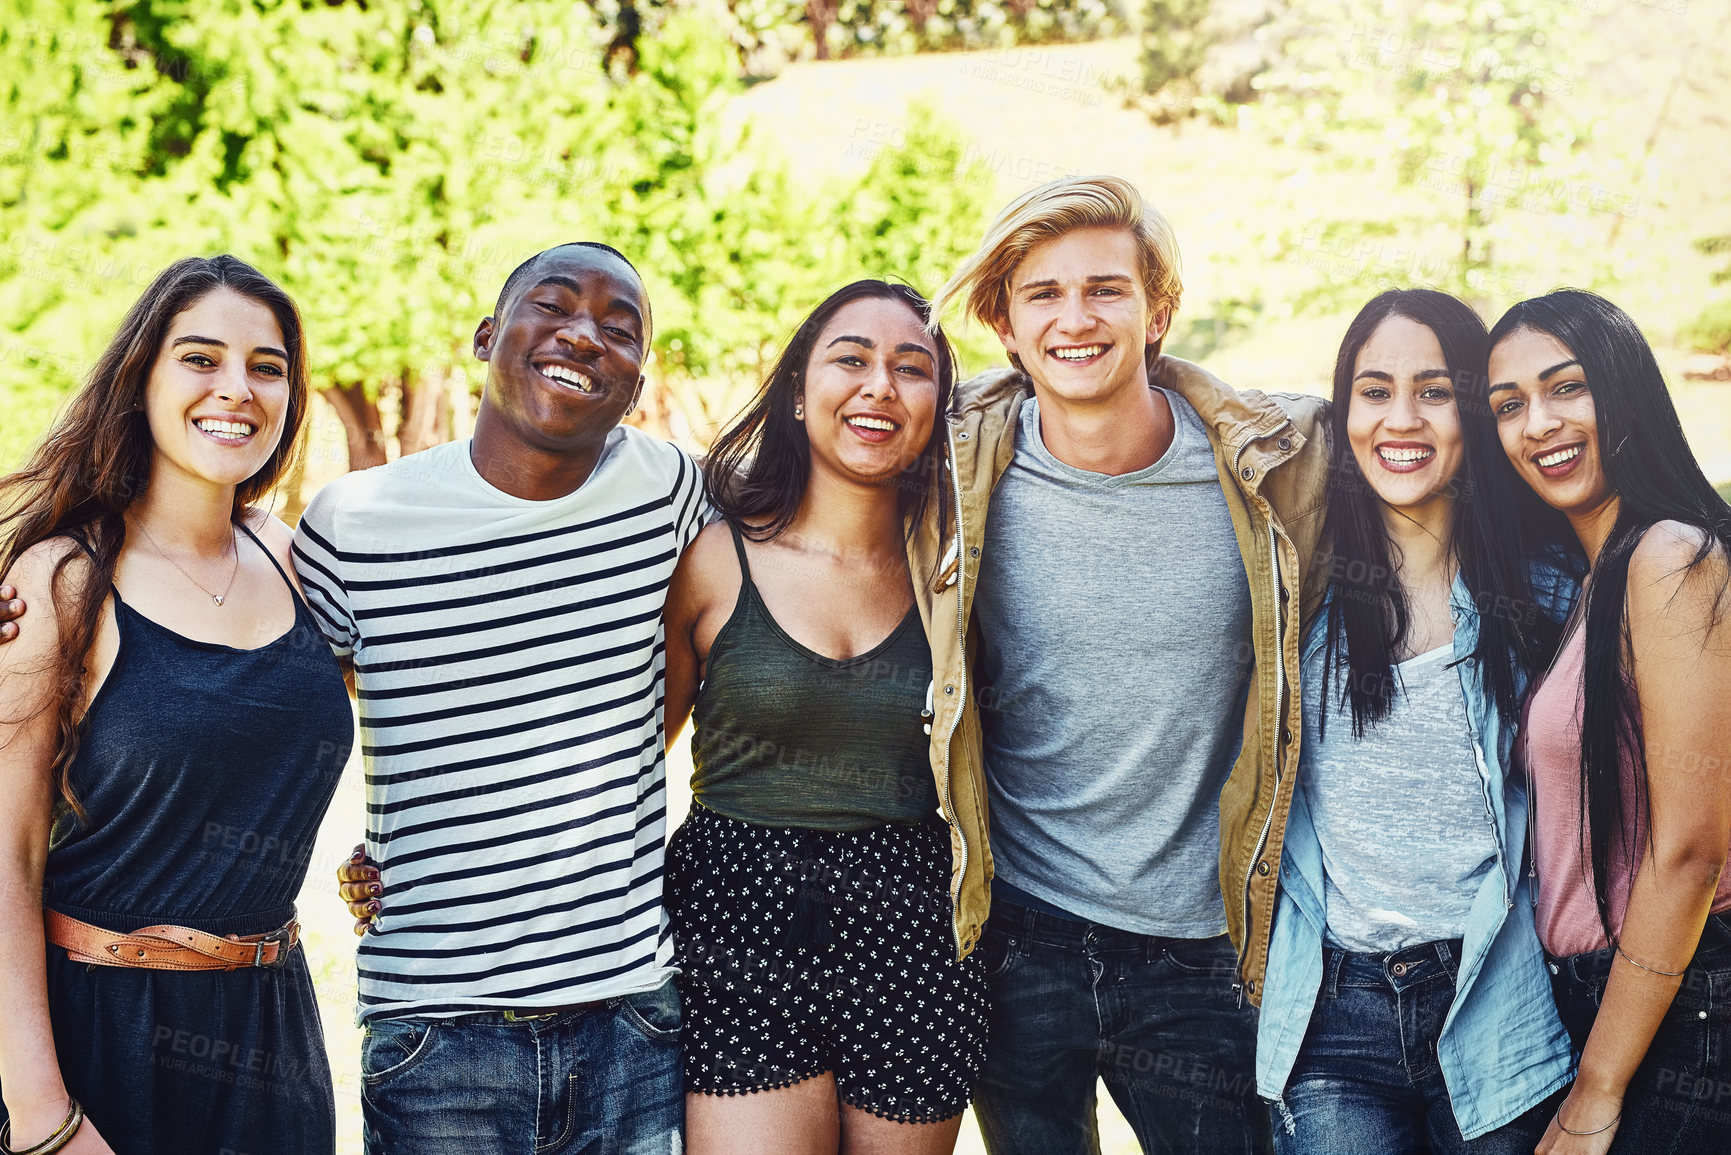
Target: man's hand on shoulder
x,y
12,608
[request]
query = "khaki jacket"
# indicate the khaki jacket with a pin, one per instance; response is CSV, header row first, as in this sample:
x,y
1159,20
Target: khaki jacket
x,y
1273,462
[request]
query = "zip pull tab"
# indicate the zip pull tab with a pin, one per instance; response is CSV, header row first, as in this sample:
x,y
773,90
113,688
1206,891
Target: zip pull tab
x,y
1238,993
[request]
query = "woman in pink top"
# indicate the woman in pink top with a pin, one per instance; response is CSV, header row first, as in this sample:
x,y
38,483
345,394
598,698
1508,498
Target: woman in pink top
x,y
1634,719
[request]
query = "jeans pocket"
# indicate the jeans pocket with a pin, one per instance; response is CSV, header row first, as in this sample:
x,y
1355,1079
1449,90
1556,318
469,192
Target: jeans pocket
x,y
998,953
391,1046
1202,957
656,1014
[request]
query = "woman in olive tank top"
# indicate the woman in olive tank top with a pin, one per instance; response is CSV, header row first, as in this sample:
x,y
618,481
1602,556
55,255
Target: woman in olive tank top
x,y
172,728
809,889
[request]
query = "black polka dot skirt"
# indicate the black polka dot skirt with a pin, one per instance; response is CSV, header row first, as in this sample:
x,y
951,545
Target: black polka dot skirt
x,y
804,951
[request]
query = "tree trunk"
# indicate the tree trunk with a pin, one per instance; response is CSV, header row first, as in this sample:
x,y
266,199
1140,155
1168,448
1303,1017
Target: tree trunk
x,y
820,14
360,417
426,414
920,12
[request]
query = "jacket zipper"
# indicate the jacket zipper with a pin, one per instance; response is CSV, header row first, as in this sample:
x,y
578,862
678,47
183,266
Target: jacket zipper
x,y
962,696
1280,712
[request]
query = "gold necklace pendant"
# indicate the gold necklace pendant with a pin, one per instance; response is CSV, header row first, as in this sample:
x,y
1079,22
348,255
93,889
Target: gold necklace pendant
x,y
234,571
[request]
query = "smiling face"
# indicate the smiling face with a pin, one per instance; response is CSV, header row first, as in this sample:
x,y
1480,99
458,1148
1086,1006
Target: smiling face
x,y
218,390
1547,422
870,391
1402,422
565,358
1079,318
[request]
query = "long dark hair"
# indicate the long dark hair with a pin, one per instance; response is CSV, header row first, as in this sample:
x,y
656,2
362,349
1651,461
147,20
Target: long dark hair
x,y
1367,616
757,468
95,462
1649,466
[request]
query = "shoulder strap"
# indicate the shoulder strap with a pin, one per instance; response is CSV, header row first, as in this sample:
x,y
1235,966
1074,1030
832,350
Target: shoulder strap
x,y
76,536
269,555
739,547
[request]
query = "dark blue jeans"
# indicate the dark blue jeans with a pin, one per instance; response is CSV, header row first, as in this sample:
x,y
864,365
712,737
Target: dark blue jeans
x,y
1367,1081
1679,1102
1158,1019
605,1081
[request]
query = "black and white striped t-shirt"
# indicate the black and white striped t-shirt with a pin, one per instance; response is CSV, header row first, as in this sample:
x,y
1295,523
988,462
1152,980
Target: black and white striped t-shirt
x,y
508,656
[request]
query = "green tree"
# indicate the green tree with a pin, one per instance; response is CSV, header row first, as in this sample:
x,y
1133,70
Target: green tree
x,y
391,163
1175,42
1711,328
1464,98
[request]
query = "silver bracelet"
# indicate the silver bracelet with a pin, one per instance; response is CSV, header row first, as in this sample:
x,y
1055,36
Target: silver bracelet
x,y
1648,969
1600,1131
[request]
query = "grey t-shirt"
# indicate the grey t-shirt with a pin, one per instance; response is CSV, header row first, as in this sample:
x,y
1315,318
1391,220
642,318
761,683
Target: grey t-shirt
x,y
1406,835
1114,617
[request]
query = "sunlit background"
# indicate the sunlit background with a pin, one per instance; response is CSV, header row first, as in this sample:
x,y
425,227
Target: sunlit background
x,y
391,162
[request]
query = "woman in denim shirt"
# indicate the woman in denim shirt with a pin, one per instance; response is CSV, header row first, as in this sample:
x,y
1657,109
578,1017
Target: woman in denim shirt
x,y
1406,1006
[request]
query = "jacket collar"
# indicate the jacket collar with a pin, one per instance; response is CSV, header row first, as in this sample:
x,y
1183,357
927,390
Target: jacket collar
x,y
1254,435
1251,430
1462,610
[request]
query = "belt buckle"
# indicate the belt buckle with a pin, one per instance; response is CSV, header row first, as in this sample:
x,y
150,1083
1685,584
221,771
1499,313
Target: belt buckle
x,y
283,936
513,1017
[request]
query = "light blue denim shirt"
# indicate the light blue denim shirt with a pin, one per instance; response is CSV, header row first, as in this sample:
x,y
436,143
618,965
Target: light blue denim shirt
x,y
1503,1048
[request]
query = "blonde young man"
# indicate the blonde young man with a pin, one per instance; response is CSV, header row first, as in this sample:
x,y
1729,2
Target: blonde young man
x,y
1130,536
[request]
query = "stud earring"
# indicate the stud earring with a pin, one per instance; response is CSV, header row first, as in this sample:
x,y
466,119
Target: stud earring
x,y
799,412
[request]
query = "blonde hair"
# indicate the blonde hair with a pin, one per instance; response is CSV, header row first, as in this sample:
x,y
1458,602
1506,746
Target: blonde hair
x,y
1052,210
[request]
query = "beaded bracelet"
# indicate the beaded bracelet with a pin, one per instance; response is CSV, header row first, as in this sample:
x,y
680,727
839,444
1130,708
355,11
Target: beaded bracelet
x,y
62,1134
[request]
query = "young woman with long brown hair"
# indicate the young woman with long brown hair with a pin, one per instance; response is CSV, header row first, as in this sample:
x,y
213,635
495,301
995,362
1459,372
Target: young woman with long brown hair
x,y
172,727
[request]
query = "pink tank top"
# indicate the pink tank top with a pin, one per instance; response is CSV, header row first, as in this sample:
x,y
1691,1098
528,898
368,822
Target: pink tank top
x,y
1568,915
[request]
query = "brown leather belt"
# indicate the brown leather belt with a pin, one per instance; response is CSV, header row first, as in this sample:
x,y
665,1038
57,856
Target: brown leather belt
x,y
170,948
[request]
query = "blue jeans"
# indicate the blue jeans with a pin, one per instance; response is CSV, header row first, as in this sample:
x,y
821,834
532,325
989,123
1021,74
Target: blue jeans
x,y
604,1081
1367,1081
1679,1102
1158,1019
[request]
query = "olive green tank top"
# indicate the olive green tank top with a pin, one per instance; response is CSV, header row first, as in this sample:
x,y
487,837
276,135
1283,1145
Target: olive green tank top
x,y
788,737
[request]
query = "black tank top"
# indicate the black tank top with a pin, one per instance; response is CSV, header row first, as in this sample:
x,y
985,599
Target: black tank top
x,y
205,771
788,737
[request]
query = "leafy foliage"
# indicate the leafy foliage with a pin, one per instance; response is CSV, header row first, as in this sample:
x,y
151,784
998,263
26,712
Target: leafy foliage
x,y
1466,101
1711,328
390,163
770,32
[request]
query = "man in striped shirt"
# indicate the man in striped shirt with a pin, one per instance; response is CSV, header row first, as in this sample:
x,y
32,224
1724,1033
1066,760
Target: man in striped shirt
x,y
501,600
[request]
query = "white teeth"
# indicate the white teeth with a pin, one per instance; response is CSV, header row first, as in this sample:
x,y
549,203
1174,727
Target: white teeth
x,y
873,423
1403,456
226,430
569,377
1079,354
1560,456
